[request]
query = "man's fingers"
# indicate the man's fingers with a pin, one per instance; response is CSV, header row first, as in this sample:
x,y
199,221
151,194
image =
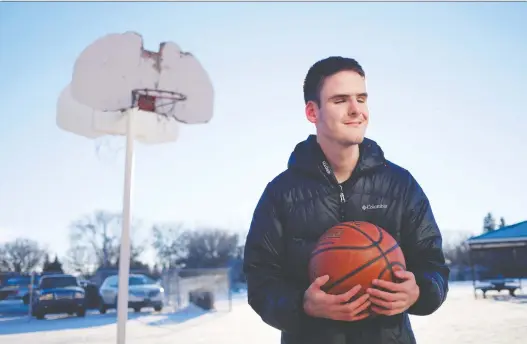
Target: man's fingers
x,y
357,310
349,308
319,282
350,312
404,275
388,285
361,300
348,295
386,295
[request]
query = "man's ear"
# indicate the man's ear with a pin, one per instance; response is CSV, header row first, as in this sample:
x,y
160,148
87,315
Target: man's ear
x,y
311,112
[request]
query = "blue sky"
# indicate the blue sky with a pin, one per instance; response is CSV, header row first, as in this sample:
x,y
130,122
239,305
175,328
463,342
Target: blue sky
x,y
447,101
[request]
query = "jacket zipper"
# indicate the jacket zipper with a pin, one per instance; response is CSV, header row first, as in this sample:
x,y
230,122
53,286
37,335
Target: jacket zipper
x,y
342,210
342,196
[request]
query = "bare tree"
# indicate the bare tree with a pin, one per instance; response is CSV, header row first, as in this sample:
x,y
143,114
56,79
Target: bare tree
x,y
79,258
177,246
3,260
21,255
457,251
169,244
96,239
210,247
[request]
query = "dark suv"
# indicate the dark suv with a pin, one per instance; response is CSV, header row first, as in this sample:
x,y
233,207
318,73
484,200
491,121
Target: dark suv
x,y
58,294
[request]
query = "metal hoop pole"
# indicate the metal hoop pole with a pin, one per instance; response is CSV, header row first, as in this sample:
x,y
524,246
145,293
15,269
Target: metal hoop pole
x,y
124,255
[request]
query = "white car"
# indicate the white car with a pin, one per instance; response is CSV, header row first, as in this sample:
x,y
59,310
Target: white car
x,y
142,292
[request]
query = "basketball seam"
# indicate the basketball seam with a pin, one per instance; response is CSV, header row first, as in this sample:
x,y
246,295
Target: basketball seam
x,y
360,268
388,267
376,244
347,247
325,249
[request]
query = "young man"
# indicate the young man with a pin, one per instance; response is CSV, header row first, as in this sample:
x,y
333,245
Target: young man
x,y
336,176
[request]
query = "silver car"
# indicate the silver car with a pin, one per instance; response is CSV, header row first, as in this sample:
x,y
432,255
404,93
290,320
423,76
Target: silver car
x,y
142,292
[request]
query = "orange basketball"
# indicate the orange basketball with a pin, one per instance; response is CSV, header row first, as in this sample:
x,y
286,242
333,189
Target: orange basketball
x,y
354,253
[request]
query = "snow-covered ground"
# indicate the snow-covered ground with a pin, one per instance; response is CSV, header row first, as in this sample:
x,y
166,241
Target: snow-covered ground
x,y
462,319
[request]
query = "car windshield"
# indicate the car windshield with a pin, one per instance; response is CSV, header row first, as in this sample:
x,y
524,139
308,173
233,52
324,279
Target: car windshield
x,y
134,280
58,282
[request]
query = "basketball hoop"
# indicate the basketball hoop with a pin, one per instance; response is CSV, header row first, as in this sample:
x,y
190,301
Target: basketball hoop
x,y
97,103
158,101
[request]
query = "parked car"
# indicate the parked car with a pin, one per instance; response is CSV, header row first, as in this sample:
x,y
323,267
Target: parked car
x,y
142,292
91,291
58,294
18,288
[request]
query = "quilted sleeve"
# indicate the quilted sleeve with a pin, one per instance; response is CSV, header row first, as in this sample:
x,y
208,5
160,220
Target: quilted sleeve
x,y
279,304
423,247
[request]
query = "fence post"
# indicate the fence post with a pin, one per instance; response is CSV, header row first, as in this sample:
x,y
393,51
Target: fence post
x,y
30,304
178,288
229,286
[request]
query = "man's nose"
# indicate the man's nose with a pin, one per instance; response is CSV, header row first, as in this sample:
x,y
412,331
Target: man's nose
x,y
354,106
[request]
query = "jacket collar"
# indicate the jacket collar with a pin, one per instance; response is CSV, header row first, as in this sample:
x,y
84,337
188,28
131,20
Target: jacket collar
x,y
309,158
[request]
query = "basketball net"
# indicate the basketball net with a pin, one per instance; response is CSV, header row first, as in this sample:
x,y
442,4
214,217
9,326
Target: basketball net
x,y
157,102
109,148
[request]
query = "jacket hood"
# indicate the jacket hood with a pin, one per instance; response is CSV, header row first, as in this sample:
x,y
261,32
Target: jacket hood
x,y
309,157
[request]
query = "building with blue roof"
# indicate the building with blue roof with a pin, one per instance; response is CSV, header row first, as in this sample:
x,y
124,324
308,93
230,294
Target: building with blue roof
x,y
508,236
501,258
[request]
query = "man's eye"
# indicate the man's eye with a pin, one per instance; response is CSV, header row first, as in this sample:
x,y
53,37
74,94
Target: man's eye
x,y
337,101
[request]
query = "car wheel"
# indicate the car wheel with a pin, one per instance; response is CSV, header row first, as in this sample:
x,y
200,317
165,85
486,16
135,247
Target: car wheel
x,y
137,309
40,316
158,308
81,313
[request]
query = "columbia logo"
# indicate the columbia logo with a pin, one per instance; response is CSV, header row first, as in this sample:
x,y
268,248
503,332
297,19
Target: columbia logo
x,y
326,167
376,206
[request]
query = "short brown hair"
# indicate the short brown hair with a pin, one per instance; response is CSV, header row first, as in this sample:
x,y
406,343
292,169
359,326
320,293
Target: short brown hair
x,y
324,68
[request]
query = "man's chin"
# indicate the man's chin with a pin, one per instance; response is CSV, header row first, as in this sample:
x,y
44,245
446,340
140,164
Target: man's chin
x,y
356,140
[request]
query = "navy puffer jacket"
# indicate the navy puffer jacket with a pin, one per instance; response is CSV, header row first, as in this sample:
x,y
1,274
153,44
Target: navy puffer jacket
x,y
301,203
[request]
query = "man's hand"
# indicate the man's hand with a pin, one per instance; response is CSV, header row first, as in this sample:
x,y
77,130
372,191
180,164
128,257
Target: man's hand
x,y
397,298
319,304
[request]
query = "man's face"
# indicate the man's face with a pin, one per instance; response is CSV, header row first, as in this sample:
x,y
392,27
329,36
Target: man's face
x,y
343,114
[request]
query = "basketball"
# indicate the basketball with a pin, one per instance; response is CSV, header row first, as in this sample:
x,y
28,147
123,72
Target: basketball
x,y
354,253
